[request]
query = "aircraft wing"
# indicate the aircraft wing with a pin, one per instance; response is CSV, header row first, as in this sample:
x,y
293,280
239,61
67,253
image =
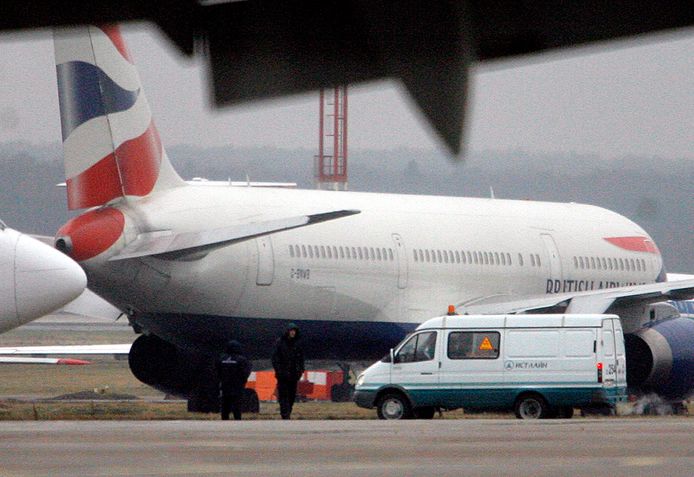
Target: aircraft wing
x,y
42,354
97,349
608,300
169,244
26,360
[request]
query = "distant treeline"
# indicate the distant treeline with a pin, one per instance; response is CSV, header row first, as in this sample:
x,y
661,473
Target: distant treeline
x,y
656,193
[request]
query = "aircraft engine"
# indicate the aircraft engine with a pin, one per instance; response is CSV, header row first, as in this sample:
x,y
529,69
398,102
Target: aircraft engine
x,y
163,366
660,358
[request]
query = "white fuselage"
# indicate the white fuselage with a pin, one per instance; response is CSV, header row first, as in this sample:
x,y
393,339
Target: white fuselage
x,y
403,259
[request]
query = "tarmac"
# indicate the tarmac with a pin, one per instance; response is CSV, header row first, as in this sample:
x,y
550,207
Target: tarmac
x,y
470,447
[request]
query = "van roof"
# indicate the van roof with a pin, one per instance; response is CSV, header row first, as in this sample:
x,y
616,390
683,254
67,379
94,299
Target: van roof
x,y
516,321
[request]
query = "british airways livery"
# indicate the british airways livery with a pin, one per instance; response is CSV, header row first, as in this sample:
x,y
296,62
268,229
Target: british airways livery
x,y
195,266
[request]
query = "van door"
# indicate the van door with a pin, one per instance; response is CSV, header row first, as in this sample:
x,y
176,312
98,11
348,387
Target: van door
x,y
607,356
471,371
620,352
415,367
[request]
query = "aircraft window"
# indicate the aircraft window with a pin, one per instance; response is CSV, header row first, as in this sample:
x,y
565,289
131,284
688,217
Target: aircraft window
x,y
633,264
354,253
421,347
427,255
384,253
303,251
310,251
488,258
463,259
537,259
497,261
627,265
291,251
457,257
390,254
330,254
477,257
643,265
378,254
621,264
503,258
532,260
485,259
473,345
348,255
361,257
335,252
520,259
438,256
592,263
508,258
445,256
638,265
366,253
420,252
342,252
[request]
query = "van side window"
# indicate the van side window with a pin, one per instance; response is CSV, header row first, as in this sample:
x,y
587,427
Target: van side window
x,y
473,345
421,347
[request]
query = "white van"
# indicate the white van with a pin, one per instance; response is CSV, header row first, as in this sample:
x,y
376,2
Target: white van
x,y
538,365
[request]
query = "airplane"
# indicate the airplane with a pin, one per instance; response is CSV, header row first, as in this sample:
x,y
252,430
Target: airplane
x,y
260,49
36,279
195,266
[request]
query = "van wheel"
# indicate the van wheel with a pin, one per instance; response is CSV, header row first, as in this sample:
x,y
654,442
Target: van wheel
x,y
531,406
393,406
424,413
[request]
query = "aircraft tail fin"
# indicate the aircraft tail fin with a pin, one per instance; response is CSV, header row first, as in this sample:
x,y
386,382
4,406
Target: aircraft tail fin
x,y
111,146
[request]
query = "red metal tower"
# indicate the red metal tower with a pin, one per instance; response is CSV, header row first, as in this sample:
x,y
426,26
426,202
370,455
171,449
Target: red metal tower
x,y
331,161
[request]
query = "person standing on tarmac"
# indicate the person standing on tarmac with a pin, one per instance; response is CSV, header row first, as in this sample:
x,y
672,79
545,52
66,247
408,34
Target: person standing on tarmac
x,y
288,361
233,369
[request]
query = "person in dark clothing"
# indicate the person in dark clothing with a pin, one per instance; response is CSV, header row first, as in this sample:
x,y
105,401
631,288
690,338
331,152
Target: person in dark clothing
x,y
233,369
288,361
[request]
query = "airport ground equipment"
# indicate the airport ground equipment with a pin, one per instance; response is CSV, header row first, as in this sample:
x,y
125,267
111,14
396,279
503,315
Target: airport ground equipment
x,y
540,366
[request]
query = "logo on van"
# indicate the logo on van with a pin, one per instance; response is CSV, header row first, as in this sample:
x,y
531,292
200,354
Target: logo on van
x,y
511,365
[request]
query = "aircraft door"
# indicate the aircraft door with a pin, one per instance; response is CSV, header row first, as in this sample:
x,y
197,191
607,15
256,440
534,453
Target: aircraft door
x,y
555,271
266,261
401,255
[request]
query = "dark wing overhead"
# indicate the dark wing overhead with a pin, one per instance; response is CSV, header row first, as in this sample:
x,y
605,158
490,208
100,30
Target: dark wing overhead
x,y
270,48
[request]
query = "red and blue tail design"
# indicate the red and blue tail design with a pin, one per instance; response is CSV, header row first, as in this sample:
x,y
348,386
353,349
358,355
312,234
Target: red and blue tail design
x,y
111,146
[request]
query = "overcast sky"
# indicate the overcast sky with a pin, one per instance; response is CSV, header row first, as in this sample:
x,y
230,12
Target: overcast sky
x,y
631,98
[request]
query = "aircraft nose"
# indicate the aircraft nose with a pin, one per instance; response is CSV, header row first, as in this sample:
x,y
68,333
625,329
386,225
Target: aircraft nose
x,y
45,279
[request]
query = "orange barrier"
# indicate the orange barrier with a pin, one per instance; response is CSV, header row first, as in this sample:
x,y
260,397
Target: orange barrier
x,y
314,385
